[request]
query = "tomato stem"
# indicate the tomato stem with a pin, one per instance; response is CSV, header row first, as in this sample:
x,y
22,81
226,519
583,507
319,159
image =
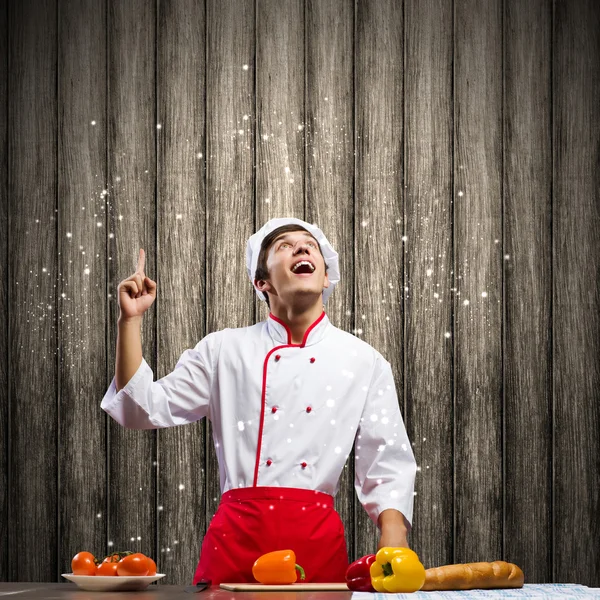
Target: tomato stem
x,y
119,556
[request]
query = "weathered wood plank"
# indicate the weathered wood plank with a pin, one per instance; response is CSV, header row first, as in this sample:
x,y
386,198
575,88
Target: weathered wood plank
x,y
576,297
4,291
330,170
279,114
132,173
181,253
528,287
230,179
82,178
428,298
33,372
478,270
378,199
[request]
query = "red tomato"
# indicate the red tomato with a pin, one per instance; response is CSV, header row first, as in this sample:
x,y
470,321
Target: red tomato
x,y
83,564
133,565
107,568
151,566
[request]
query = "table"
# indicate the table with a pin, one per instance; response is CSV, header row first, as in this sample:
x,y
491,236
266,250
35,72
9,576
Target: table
x,y
69,591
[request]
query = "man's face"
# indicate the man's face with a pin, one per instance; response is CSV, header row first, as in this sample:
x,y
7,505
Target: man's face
x,y
296,267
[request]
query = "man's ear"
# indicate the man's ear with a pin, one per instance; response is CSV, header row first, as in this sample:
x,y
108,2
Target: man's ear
x,y
326,282
262,285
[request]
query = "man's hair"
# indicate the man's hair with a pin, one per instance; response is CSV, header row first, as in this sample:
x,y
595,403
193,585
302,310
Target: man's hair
x,y
261,266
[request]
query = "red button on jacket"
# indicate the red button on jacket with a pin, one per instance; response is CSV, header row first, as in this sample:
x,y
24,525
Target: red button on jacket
x,y
269,463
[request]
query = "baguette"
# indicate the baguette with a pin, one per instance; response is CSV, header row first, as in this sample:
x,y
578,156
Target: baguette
x,y
469,576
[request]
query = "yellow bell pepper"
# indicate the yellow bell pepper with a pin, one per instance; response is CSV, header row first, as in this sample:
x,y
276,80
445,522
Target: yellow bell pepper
x,y
397,570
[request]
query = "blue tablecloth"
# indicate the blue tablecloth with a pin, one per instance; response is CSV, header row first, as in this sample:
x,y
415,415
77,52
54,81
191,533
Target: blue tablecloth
x,y
565,591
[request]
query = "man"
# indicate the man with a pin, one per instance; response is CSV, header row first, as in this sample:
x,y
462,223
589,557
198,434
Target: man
x,y
287,397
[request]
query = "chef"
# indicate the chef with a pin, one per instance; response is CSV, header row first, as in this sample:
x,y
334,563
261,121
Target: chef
x,y
288,398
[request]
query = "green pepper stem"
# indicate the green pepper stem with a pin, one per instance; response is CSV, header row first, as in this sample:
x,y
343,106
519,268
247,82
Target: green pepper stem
x,y
301,572
387,569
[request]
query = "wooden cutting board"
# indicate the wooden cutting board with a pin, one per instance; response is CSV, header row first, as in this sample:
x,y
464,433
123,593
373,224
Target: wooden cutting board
x,y
295,587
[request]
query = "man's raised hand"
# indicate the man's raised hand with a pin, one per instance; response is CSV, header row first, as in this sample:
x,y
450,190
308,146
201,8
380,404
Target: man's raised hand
x,y
137,292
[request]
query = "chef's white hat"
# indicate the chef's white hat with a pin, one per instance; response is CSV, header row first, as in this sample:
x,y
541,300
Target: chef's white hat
x,y
329,254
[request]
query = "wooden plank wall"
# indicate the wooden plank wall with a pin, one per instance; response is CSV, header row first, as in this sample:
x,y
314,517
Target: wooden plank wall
x,y
450,150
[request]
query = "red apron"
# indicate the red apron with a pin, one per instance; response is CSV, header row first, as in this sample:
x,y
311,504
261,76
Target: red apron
x,y
253,521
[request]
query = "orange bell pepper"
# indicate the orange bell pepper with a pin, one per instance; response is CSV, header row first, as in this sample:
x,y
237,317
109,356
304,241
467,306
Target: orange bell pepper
x,y
277,567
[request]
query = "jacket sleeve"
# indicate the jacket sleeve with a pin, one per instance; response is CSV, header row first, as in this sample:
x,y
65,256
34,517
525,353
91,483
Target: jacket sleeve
x,y
183,396
385,466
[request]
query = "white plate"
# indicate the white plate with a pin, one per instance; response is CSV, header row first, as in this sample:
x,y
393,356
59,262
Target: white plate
x,y
111,583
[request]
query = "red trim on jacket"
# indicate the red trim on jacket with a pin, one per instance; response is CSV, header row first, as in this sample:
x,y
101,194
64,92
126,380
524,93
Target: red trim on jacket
x,y
264,380
289,331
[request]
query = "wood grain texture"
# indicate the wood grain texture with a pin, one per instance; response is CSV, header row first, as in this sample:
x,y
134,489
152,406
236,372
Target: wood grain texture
x,y
470,127
181,256
279,114
527,184
132,180
330,170
4,291
82,178
576,291
33,373
428,270
477,270
378,226
229,179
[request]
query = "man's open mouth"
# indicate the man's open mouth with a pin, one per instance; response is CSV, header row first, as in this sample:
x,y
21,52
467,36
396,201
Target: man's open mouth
x,y
303,268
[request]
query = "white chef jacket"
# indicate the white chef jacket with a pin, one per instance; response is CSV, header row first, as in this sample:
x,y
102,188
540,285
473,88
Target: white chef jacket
x,y
283,414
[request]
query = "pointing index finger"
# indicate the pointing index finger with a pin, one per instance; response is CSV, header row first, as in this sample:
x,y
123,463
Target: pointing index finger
x,y
141,261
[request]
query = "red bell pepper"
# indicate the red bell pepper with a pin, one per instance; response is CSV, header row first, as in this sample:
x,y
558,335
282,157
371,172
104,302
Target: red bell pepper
x,y
358,574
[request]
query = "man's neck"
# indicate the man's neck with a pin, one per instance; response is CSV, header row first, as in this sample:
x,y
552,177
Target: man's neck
x,y
298,322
